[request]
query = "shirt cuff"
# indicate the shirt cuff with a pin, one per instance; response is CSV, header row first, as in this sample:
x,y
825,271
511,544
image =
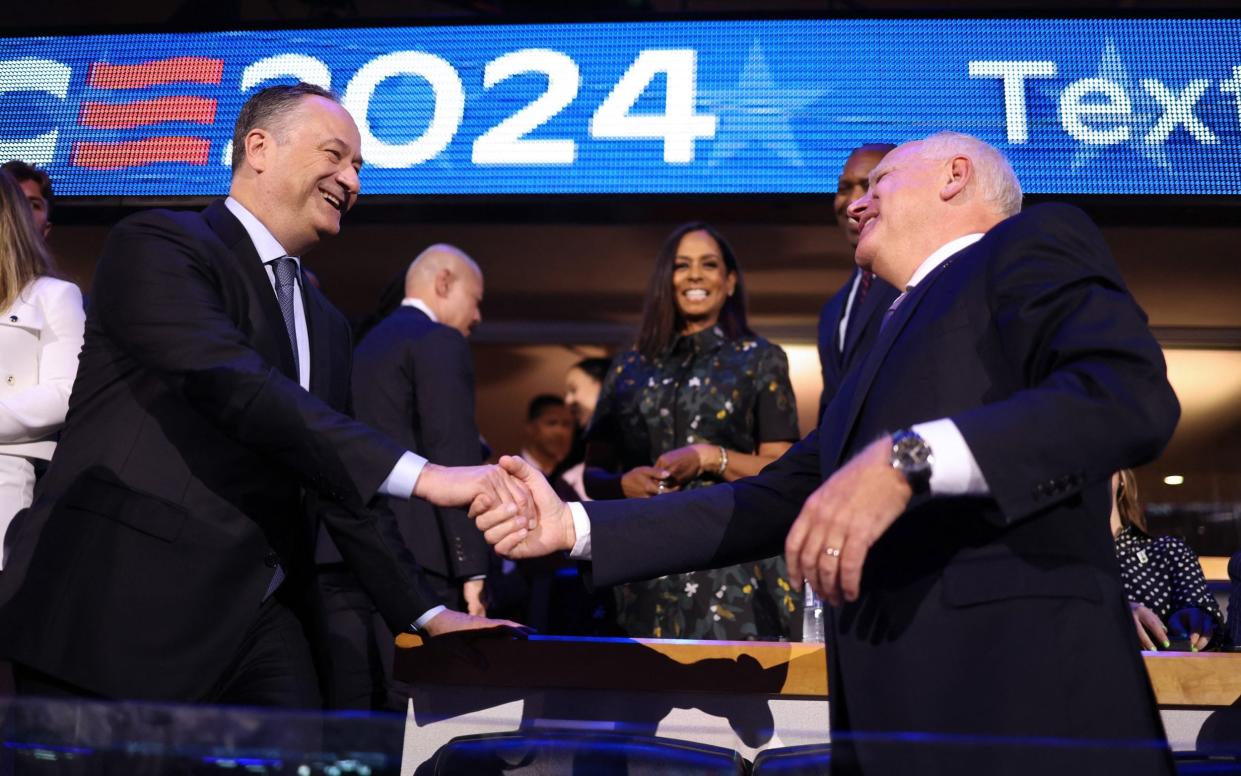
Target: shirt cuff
x,y
476,577
421,622
404,476
581,526
954,472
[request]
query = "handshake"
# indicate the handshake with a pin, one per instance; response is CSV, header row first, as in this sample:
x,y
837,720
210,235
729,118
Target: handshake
x,y
511,503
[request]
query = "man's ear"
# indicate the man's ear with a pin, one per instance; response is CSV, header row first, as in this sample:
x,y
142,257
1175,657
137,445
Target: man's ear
x,y
959,172
443,282
258,143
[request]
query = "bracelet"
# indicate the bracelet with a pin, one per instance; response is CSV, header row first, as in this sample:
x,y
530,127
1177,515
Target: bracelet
x,y
723,462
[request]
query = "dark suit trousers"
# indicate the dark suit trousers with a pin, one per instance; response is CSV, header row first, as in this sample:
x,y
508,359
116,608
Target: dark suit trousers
x,y
272,668
360,647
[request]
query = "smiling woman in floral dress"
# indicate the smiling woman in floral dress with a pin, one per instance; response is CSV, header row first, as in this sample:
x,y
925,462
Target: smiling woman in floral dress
x,y
700,400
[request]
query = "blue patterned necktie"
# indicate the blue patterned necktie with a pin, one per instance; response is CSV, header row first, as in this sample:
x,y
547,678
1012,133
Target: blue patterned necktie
x,y
891,311
285,269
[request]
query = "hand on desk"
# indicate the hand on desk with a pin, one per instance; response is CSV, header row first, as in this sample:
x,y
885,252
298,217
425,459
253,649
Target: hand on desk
x,y
846,514
490,487
548,530
449,621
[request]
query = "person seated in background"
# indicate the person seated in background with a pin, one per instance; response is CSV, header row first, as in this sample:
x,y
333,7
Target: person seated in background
x,y
701,399
1163,578
581,392
549,435
524,588
41,325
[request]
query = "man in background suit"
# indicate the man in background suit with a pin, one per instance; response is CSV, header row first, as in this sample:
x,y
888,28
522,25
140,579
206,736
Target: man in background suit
x,y
850,320
953,505
168,554
413,379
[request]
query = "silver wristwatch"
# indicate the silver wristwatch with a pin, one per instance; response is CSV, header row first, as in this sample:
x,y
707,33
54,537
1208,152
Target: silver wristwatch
x,y
912,457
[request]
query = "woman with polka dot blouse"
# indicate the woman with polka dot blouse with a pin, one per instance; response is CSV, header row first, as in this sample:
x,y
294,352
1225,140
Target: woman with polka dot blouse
x,y
1162,576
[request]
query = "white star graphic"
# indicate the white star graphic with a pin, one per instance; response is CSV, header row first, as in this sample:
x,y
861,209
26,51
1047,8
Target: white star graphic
x,y
756,112
1145,112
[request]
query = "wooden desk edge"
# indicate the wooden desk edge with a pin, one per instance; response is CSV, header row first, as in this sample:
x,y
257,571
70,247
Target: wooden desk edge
x,y
1211,679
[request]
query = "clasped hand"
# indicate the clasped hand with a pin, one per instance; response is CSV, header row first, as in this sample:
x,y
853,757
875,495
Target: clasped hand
x,y
460,486
545,527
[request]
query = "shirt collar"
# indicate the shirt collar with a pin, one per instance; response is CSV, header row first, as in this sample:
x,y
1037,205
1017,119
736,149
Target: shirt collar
x,y
940,256
413,301
265,243
704,340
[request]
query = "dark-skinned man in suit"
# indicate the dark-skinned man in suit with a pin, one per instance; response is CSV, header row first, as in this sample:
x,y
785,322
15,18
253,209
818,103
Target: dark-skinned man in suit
x,y
168,555
953,505
850,320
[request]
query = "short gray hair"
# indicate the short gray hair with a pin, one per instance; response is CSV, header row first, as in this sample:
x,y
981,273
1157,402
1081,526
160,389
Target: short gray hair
x,y
994,176
269,109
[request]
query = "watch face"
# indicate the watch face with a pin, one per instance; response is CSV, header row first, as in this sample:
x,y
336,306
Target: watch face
x,y
911,453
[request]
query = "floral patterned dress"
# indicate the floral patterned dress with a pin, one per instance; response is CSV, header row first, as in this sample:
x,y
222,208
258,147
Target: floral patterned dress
x,y
704,389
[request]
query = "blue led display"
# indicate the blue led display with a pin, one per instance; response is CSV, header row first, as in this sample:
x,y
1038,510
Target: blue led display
x,y
1136,106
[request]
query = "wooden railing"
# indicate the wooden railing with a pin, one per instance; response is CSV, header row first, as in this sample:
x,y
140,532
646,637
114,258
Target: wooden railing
x,y
1208,679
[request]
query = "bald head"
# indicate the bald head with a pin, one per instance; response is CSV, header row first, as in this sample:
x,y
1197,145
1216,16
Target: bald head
x,y
450,283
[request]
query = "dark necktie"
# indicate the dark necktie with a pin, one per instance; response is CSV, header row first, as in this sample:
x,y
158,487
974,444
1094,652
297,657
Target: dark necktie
x,y
285,269
863,287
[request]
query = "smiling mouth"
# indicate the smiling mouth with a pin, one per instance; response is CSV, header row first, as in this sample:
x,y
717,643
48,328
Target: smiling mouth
x,y
334,201
696,295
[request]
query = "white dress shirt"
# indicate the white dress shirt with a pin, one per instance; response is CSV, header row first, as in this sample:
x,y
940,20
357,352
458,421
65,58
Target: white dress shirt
x,y
842,327
955,471
413,301
404,476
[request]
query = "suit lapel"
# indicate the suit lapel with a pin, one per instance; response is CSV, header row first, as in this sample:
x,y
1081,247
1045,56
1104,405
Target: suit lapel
x,y
317,320
269,335
865,374
873,306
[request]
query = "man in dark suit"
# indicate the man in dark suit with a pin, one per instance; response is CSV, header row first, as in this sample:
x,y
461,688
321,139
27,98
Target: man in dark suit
x,y
953,505
850,320
413,379
168,555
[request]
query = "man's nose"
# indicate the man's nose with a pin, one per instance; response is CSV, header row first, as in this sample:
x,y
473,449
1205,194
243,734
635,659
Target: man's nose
x,y
858,206
350,181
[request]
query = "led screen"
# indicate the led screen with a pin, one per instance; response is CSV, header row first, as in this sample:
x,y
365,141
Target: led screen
x,y
1136,106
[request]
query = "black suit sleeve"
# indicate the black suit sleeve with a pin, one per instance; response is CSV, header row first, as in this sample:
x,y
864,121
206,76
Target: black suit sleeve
x,y
444,391
703,528
370,541
1096,396
158,296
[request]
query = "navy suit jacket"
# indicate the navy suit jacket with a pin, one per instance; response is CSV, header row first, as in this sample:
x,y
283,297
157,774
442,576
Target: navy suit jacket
x,y
413,379
186,469
989,617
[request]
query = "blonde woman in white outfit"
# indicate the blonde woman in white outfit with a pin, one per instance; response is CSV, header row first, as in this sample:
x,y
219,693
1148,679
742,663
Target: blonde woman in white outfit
x,y
41,323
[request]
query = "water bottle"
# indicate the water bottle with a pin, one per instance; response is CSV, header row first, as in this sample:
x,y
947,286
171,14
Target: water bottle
x,y
811,617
